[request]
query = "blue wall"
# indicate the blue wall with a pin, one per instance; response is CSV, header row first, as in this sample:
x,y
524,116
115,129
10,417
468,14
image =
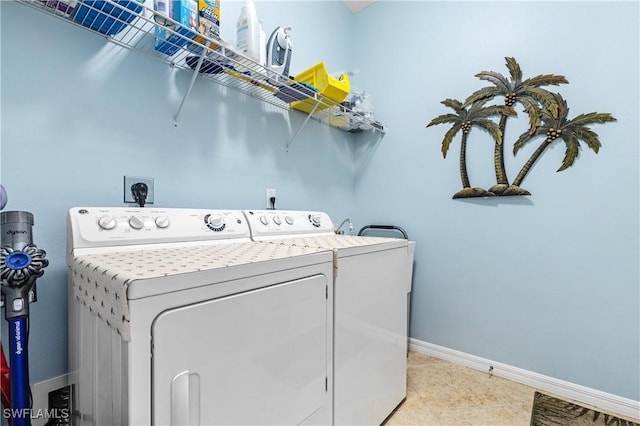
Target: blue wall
x,y
548,283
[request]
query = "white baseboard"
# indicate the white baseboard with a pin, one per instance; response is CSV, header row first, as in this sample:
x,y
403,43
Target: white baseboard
x,y
571,391
40,394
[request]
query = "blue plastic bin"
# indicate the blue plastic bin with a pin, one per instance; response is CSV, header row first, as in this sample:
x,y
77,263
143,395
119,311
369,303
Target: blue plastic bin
x,y
185,12
108,19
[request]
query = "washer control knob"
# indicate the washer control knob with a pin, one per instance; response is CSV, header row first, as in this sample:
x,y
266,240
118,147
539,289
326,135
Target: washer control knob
x,y
264,220
215,222
277,220
162,222
315,219
289,220
136,222
107,222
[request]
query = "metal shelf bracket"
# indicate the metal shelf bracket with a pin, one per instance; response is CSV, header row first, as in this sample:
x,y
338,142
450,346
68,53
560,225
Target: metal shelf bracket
x,y
191,83
304,123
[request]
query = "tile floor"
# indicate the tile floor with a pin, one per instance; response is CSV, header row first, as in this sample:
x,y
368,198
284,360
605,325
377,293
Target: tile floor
x,y
464,397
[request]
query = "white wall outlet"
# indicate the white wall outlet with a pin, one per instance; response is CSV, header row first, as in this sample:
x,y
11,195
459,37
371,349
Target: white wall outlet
x,y
129,181
270,193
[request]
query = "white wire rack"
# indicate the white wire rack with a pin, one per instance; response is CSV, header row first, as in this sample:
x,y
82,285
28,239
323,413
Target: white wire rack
x,y
131,25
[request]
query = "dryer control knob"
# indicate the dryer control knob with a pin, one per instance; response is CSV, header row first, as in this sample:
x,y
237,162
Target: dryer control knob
x,y
107,222
289,220
315,219
215,222
136,222
162,222
264,220
277,220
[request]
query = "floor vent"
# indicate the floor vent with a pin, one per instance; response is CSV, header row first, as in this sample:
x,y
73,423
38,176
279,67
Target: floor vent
x,y
59,408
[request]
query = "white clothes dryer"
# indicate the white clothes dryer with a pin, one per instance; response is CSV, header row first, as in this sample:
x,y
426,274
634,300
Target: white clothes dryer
x,y
176,317
372,281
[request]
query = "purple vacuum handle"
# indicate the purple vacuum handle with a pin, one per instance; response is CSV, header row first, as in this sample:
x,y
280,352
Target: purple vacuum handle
x,y
3,197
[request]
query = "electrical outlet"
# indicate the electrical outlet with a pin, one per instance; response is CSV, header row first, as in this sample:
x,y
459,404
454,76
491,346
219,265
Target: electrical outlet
x,y
129,181
270,193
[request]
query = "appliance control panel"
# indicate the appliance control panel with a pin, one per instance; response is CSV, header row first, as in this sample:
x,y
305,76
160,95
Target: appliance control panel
x,y
285,223
118,226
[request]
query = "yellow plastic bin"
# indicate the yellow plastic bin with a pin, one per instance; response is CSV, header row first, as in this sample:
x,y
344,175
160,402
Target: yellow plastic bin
x,y
331,90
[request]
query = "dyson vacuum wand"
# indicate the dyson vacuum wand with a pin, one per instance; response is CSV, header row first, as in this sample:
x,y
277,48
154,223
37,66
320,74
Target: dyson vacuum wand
x,y
21,263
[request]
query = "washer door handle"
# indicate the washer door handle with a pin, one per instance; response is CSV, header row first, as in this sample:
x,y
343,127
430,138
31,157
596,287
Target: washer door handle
x,y
185,399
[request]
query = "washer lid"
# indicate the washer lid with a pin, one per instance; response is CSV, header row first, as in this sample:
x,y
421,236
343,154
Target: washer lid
x,y
345,245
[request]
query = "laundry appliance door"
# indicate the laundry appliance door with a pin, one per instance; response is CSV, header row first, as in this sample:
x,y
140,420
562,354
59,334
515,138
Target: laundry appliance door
x,y
370,362
257,357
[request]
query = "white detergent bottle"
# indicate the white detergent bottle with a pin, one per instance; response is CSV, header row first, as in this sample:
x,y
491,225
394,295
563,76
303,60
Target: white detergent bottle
x,y
263,46
248,31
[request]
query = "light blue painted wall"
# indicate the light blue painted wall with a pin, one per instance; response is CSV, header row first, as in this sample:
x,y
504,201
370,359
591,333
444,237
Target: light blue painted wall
x,y
78,114
548,283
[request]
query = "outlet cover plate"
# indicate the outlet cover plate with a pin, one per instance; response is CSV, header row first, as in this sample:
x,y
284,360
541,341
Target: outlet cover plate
x,y
132,180
268,194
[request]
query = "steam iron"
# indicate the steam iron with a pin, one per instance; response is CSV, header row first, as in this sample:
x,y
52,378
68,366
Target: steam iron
x,y
279,51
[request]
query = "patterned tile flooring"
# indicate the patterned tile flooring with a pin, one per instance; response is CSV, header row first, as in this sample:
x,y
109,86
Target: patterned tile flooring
x,y
441,393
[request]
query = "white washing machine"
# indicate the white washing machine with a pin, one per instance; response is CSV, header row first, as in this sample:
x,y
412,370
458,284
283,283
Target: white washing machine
x,y
176,317
372,280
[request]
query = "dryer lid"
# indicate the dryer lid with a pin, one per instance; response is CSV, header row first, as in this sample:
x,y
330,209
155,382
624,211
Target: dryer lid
x,y
105,282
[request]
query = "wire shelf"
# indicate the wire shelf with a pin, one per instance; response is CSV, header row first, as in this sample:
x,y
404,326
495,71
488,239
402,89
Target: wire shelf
x,y
131,25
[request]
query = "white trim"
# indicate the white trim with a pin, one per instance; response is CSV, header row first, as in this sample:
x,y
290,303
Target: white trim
x,y
581,394
40,393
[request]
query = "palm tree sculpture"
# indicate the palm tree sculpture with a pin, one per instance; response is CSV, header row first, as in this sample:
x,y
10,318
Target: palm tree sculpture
x,y
547,116
464,119
529,94
556,126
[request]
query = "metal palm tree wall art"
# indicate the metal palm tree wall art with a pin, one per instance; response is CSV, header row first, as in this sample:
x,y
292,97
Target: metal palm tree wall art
x,y
548,116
